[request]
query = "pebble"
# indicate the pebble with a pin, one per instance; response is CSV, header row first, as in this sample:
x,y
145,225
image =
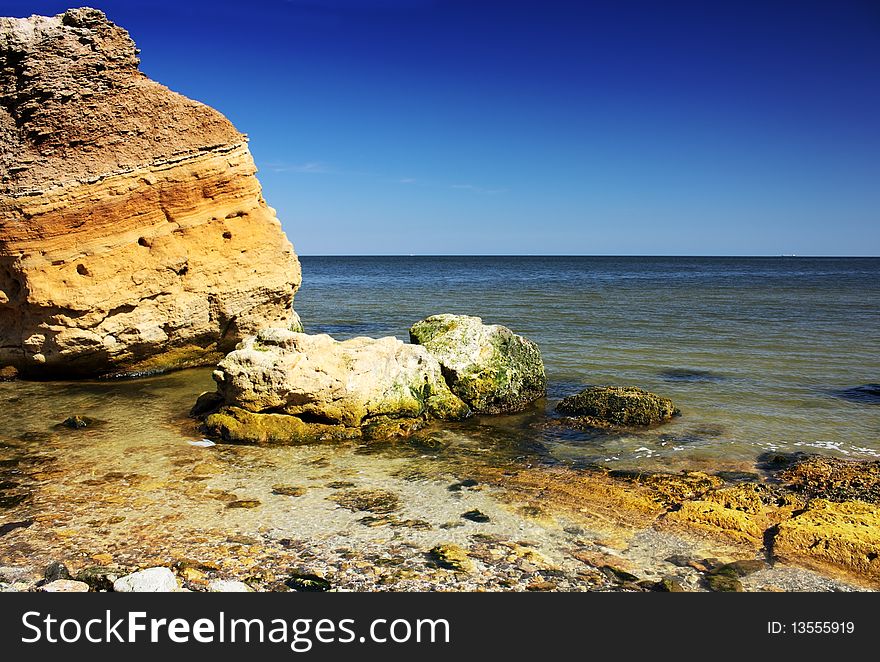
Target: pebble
x,y
151,580
65,586
228,586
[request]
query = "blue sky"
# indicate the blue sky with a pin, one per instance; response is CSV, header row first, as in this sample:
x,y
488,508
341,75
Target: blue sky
x,y
504,127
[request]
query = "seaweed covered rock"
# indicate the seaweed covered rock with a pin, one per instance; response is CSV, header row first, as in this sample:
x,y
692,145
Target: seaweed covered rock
x,y
833,536
488,366
283,386
833,478
618,405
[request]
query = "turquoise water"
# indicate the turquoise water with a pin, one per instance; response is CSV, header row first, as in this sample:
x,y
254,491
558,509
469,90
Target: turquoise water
x,y
755,351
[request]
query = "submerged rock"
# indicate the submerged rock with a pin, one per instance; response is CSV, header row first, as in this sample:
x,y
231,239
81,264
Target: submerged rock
x,y
742,568
868,394
689,375
488,366
244,503
151,580
374,501
307,582
76,422
475,516
618,405
282,386
135,237
55,571
451,557
100,578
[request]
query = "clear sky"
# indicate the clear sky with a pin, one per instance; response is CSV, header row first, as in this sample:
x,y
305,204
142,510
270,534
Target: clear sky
x,y
481,127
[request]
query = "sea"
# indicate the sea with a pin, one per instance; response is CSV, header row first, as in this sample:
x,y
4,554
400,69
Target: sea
x,y
761,354
764,356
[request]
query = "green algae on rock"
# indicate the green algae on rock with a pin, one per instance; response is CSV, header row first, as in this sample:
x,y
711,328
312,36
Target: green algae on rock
x,y
488,366
280,386
451,557
239,425
618,405
833,536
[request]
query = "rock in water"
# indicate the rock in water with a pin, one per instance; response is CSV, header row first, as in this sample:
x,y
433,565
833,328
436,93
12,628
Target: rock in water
x,y
151,580
133,233
488,366
618,405
282,386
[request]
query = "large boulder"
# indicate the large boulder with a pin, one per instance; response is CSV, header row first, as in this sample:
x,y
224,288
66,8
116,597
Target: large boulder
x,y
283,386
488,366
134,236
626,406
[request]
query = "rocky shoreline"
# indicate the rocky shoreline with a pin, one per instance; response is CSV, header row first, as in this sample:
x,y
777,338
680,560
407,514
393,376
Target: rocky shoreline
x,y
133,246
357,516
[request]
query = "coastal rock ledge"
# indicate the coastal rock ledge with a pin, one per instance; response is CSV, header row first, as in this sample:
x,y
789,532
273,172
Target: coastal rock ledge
x,y
134,236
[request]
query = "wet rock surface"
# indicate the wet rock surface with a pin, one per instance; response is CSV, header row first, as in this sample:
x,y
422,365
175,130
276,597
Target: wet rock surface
x,y
280,386
625,406
488,366
366,516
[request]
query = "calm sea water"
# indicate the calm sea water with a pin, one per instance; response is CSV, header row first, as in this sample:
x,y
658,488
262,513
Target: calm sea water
x,y
755,351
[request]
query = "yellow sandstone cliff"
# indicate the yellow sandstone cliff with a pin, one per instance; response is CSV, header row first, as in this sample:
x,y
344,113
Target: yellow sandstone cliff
x,y
133,233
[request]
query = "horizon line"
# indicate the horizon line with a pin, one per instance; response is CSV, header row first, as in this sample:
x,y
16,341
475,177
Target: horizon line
x,y
659,255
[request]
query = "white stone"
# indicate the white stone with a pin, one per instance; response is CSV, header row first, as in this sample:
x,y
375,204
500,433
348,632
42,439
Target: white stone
x,y
151,580
228,586
65,586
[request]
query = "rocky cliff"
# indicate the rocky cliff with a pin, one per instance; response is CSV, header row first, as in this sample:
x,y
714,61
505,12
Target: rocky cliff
x,y
133,233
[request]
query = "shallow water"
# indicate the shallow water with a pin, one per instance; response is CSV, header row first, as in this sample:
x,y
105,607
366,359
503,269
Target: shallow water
x,y
756,353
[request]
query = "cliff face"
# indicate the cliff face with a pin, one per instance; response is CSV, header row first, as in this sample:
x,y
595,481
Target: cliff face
x,y
133,233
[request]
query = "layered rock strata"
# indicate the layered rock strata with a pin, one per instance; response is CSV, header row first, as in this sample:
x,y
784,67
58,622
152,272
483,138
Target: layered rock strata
x,y
286,387
133,233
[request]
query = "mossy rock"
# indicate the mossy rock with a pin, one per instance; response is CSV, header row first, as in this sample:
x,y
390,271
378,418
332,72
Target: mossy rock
x,y
308,583
488,366
99,577
370,500
833,479
741,568
723,584
239,425
833,536
451,557
626,406
386,427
